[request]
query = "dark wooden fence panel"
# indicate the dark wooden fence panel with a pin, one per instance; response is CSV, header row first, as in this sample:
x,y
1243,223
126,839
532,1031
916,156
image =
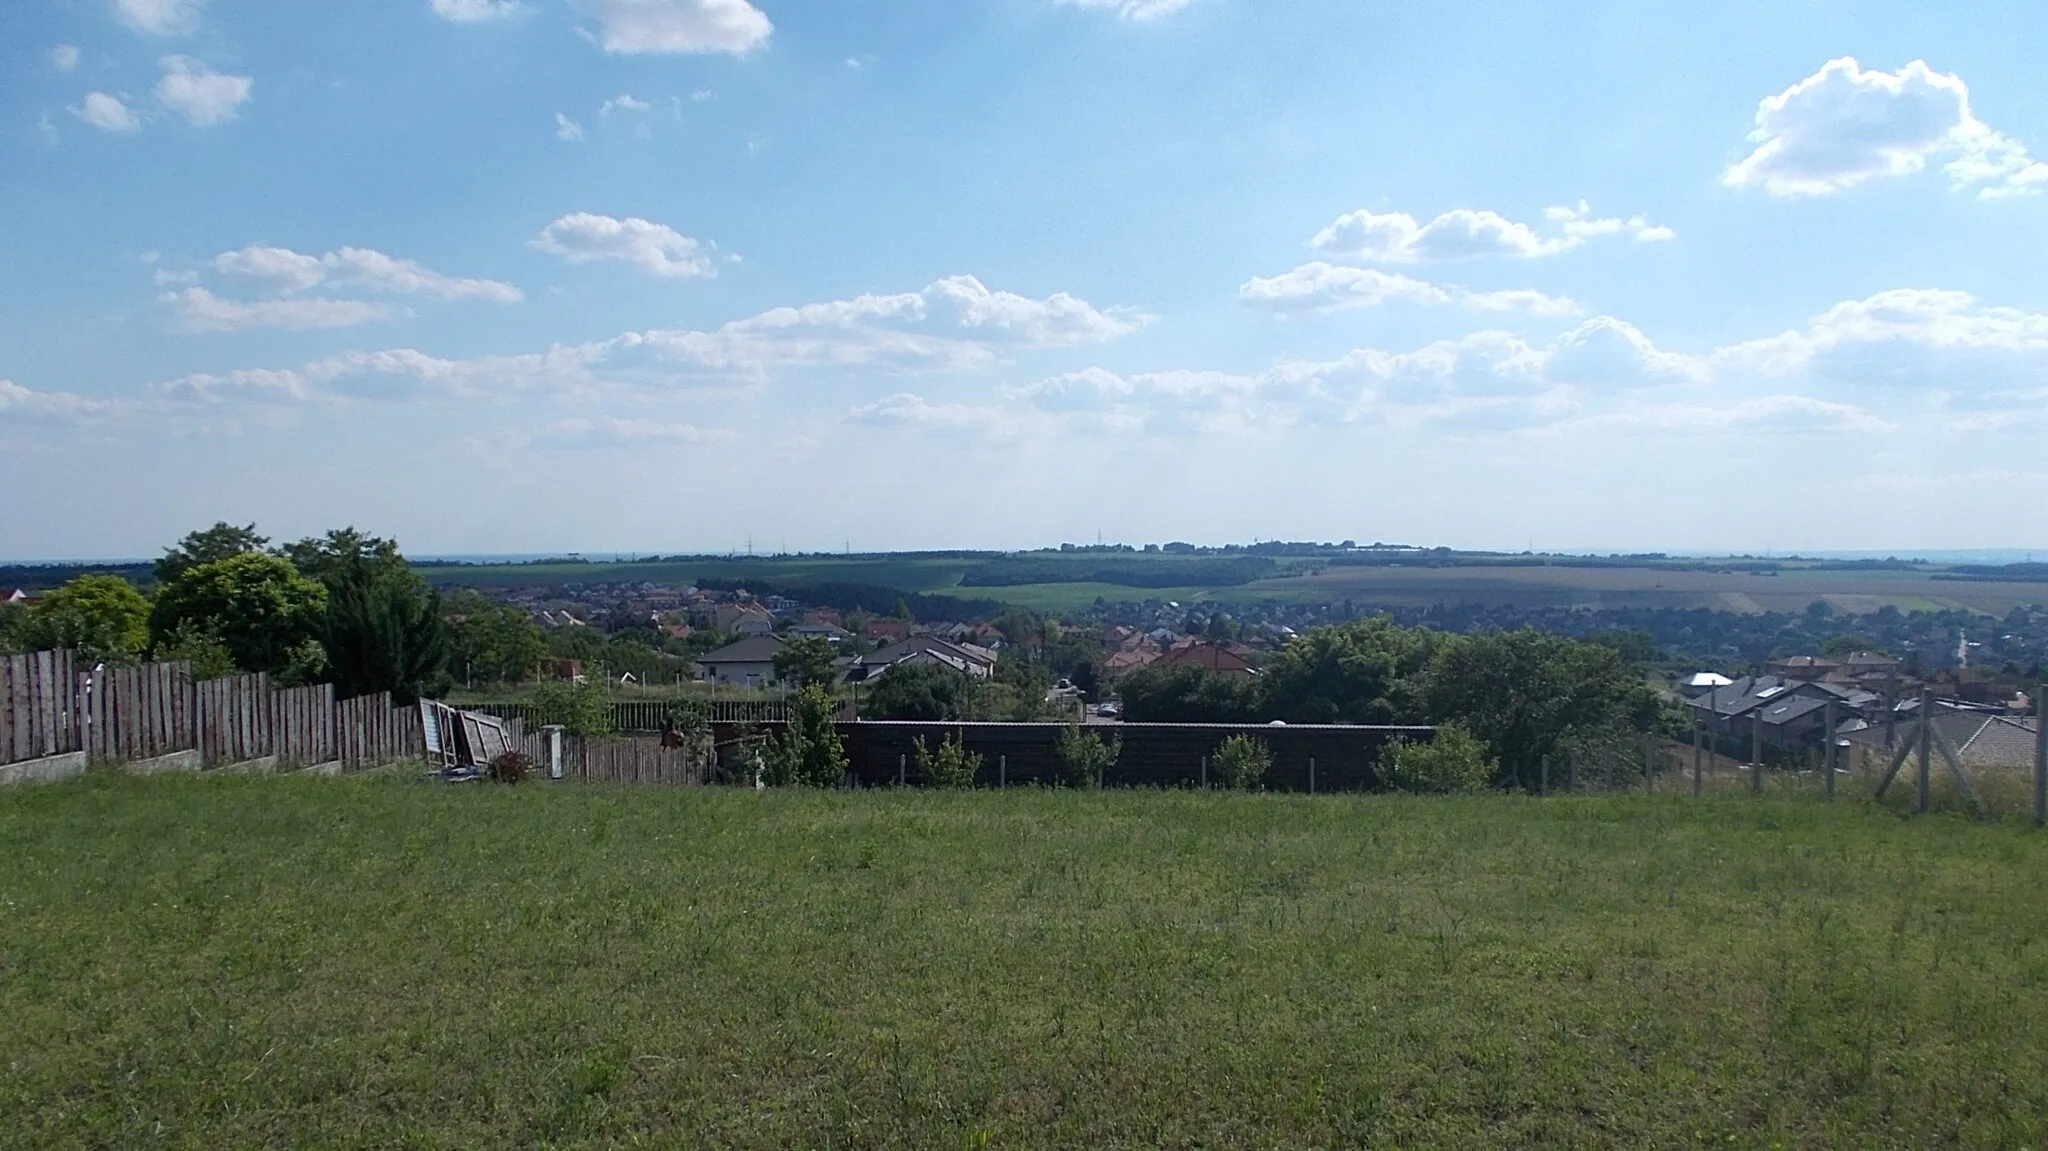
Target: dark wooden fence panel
x,y
38,706
132,713
639,760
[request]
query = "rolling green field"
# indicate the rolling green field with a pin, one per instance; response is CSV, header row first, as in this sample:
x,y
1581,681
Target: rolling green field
x,y
1495,582
370,962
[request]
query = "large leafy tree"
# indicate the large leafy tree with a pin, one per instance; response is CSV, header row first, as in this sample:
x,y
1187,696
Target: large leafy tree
x,y
268,616
13,627
384,629
807,661
1185,693
491,642
384,632
1528,694
1363,672
101,617
927,691
209,545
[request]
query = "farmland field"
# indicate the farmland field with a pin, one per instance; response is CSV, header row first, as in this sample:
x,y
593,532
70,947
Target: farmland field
x,y
371,962
1484,581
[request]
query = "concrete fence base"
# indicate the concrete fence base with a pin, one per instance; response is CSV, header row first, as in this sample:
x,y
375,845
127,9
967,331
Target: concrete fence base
x,y
44,770
176,761
267,765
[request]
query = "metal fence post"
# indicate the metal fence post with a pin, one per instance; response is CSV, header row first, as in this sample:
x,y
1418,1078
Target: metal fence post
x,y
1543,778
1002,771
1311,775
902,763
1205,773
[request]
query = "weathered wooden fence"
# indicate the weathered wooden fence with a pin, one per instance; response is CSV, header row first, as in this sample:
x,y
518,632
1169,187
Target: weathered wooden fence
x,y
38,706
638,760
650,715
138,712
50,708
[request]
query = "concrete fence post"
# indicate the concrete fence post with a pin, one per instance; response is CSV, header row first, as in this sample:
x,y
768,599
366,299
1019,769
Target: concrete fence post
x,y
1205,773
1002,771
553,732
1311,775
902,769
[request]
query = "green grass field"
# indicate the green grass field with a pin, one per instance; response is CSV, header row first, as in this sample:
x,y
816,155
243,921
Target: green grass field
x,y
219,962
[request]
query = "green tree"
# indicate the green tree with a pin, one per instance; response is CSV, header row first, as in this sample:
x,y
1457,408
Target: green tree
x,y
1362,672
1849,644
951,766
220,542
1242,762
342,553
487,641
925,691
579,708
1185,693
269,616
1083,757
1529,695
384,632
808,752
101,617
807,661
1451,762
13,627
900,611
198,643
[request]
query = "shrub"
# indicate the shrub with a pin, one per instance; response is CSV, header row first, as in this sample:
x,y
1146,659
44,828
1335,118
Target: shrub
x,y
808,752
512,767
580,708
1082,756
1454,761
1243,761
952,765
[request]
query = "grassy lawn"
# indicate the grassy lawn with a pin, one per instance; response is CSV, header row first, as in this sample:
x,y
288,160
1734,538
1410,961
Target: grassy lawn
x,y
215,962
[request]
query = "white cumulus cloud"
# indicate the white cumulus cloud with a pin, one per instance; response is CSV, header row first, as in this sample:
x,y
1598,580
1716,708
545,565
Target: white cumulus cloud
x,y
475,11
160,17
1324,287
1466,233
202,96
624,103
198,310
283,270
1948,344
1131,9
584,237
1844,126
641,27
108,113
64,57
567,130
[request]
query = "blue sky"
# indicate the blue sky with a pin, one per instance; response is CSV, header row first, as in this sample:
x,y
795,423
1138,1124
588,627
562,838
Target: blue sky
x,y
674,274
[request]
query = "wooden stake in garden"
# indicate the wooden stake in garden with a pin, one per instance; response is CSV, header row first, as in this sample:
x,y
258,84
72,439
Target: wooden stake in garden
x,y
1699,747
1827,758
2041,757
1756,751
1923,780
